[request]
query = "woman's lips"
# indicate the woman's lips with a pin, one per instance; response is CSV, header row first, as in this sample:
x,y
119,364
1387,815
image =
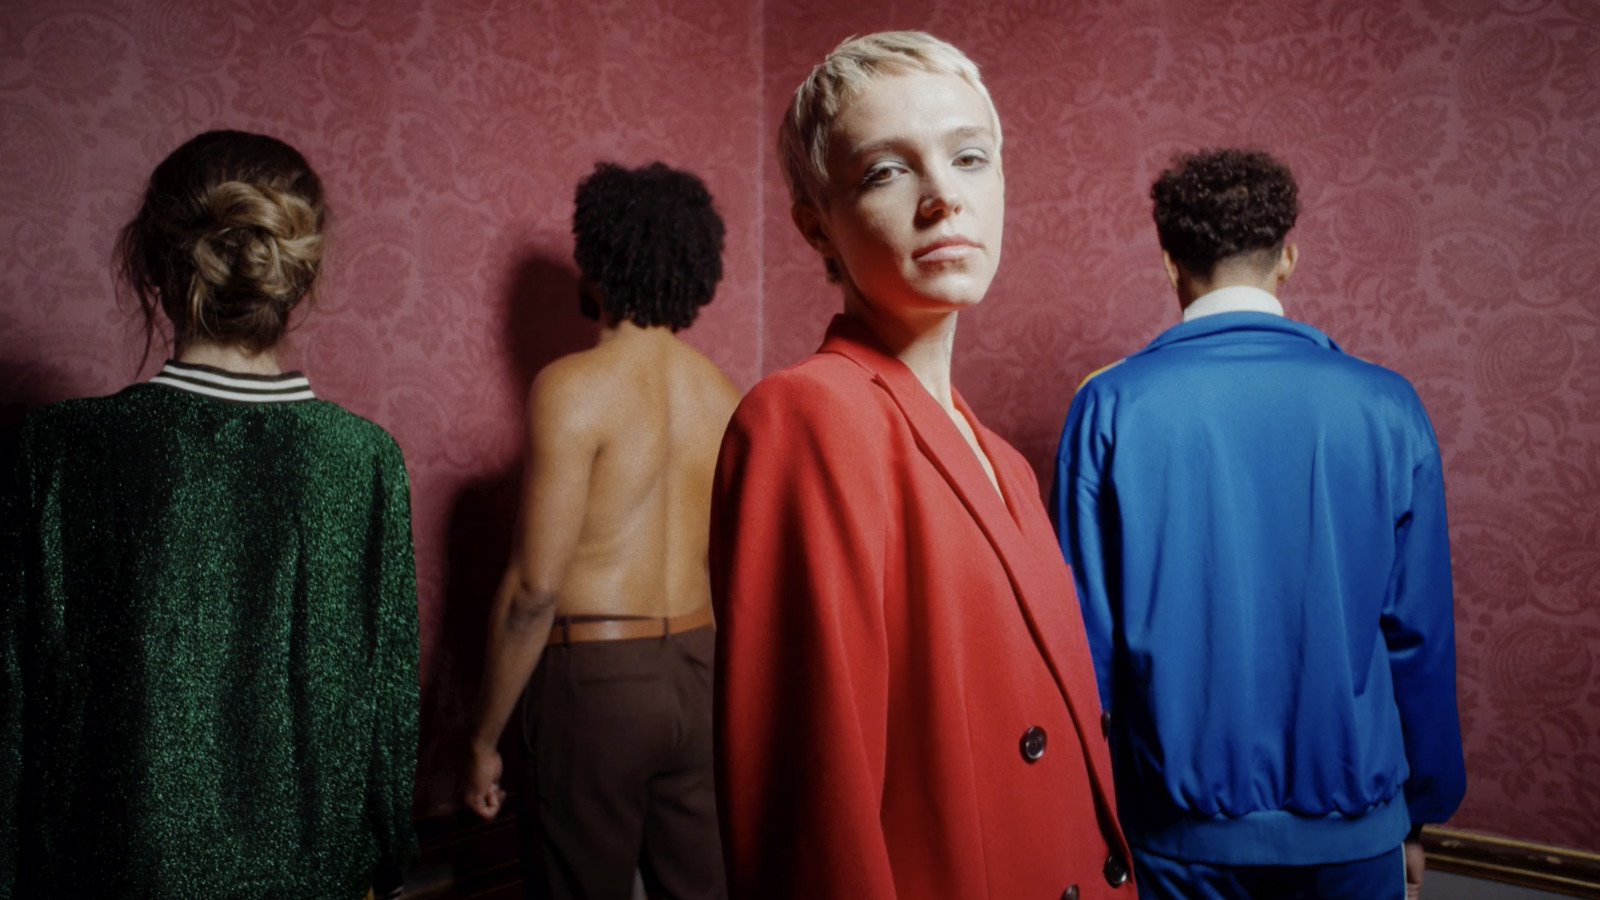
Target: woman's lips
x,y
946,250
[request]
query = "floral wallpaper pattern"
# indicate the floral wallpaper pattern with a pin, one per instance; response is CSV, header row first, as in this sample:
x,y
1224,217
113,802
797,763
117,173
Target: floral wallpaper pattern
x,y
1448,153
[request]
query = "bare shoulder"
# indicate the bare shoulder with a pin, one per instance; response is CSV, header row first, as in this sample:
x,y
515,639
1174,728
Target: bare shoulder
x,y
570,392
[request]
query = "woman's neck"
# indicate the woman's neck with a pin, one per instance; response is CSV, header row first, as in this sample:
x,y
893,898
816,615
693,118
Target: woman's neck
x,y
923,342
231,358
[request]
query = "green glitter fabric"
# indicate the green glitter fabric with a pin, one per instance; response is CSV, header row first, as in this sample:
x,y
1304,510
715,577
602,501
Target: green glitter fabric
x,y
208,667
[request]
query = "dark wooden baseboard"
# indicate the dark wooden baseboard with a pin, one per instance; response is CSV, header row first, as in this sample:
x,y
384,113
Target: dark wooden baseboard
x,y
466,858
1559,870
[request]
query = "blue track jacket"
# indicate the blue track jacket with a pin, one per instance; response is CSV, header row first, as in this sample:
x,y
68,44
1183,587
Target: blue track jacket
x,y
1256,523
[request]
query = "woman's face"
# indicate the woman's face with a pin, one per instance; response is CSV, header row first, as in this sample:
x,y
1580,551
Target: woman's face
x,y
916,199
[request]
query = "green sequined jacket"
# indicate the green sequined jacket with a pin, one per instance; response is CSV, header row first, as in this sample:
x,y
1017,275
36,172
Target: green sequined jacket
x,y
208,663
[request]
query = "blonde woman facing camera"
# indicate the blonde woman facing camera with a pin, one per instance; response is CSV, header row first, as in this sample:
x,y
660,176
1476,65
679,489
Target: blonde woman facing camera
x,y
208,623
905,703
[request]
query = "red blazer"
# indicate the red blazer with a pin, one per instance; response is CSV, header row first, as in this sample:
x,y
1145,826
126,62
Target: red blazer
x,y
894,643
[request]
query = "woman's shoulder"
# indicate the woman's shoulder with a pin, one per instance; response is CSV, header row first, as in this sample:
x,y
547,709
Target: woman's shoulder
x,y
825,414
826,401
824,389
335,425
79,417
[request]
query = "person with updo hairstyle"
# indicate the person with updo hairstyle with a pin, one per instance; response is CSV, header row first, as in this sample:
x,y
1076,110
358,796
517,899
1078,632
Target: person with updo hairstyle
x,y
229,240
208,650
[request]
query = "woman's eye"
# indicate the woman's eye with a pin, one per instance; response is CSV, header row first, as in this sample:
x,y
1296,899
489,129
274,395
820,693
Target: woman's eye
x,y
971,159
878,175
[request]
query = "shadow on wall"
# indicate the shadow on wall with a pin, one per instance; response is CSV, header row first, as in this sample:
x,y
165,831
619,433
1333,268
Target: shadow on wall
x,y
27,384
24,387
541,323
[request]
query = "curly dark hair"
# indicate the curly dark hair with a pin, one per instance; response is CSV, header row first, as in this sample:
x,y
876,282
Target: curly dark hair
x,y
1216,204
650,240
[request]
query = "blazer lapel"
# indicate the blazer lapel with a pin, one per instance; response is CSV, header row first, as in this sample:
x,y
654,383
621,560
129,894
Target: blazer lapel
x,y
1043,586
936,434
1006,522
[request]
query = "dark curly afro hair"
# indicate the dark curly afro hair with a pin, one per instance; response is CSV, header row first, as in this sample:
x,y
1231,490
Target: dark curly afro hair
x,y
1216,204
650,240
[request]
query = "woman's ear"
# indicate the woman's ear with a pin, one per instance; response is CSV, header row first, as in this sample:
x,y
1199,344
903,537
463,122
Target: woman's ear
x,y
812,228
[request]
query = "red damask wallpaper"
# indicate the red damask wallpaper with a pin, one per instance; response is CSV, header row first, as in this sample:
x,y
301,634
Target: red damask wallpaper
x,y
1448,150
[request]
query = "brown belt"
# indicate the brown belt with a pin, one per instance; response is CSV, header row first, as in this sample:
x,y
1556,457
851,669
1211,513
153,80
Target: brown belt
x,y
565,631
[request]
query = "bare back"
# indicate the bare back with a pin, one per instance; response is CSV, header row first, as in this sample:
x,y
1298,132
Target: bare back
x,y
654,409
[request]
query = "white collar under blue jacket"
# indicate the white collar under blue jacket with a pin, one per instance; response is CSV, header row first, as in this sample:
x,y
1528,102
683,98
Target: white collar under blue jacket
x,y
1234,298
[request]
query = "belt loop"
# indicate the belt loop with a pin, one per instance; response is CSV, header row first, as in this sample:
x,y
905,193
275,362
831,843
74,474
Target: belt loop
x,y
666,629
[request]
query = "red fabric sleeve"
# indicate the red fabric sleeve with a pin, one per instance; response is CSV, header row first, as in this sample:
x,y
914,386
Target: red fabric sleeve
x,y
798,539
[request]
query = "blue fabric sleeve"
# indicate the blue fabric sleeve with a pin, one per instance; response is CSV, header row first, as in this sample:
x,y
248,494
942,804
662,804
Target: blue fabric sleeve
x,y
1419,630
1080,523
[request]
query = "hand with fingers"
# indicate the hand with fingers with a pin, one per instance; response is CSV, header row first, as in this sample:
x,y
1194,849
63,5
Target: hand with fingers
x,y
480,784
1416,862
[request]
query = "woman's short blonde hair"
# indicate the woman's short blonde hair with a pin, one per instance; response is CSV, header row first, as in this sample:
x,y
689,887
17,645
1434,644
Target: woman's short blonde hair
x,y
808,123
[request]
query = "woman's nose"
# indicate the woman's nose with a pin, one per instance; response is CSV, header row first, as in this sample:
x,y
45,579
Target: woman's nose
x,y
940,200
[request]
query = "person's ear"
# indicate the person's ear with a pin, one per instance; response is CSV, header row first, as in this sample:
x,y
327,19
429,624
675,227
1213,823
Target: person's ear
x,y
1286,263
813,228
1174,275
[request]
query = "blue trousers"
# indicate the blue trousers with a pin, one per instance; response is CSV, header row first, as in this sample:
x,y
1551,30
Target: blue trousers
x,y
1379,878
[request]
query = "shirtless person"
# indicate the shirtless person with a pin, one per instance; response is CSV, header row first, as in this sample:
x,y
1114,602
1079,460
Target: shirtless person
x,y
606,600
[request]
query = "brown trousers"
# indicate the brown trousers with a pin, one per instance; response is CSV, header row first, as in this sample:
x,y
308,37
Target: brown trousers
x,y
619,743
